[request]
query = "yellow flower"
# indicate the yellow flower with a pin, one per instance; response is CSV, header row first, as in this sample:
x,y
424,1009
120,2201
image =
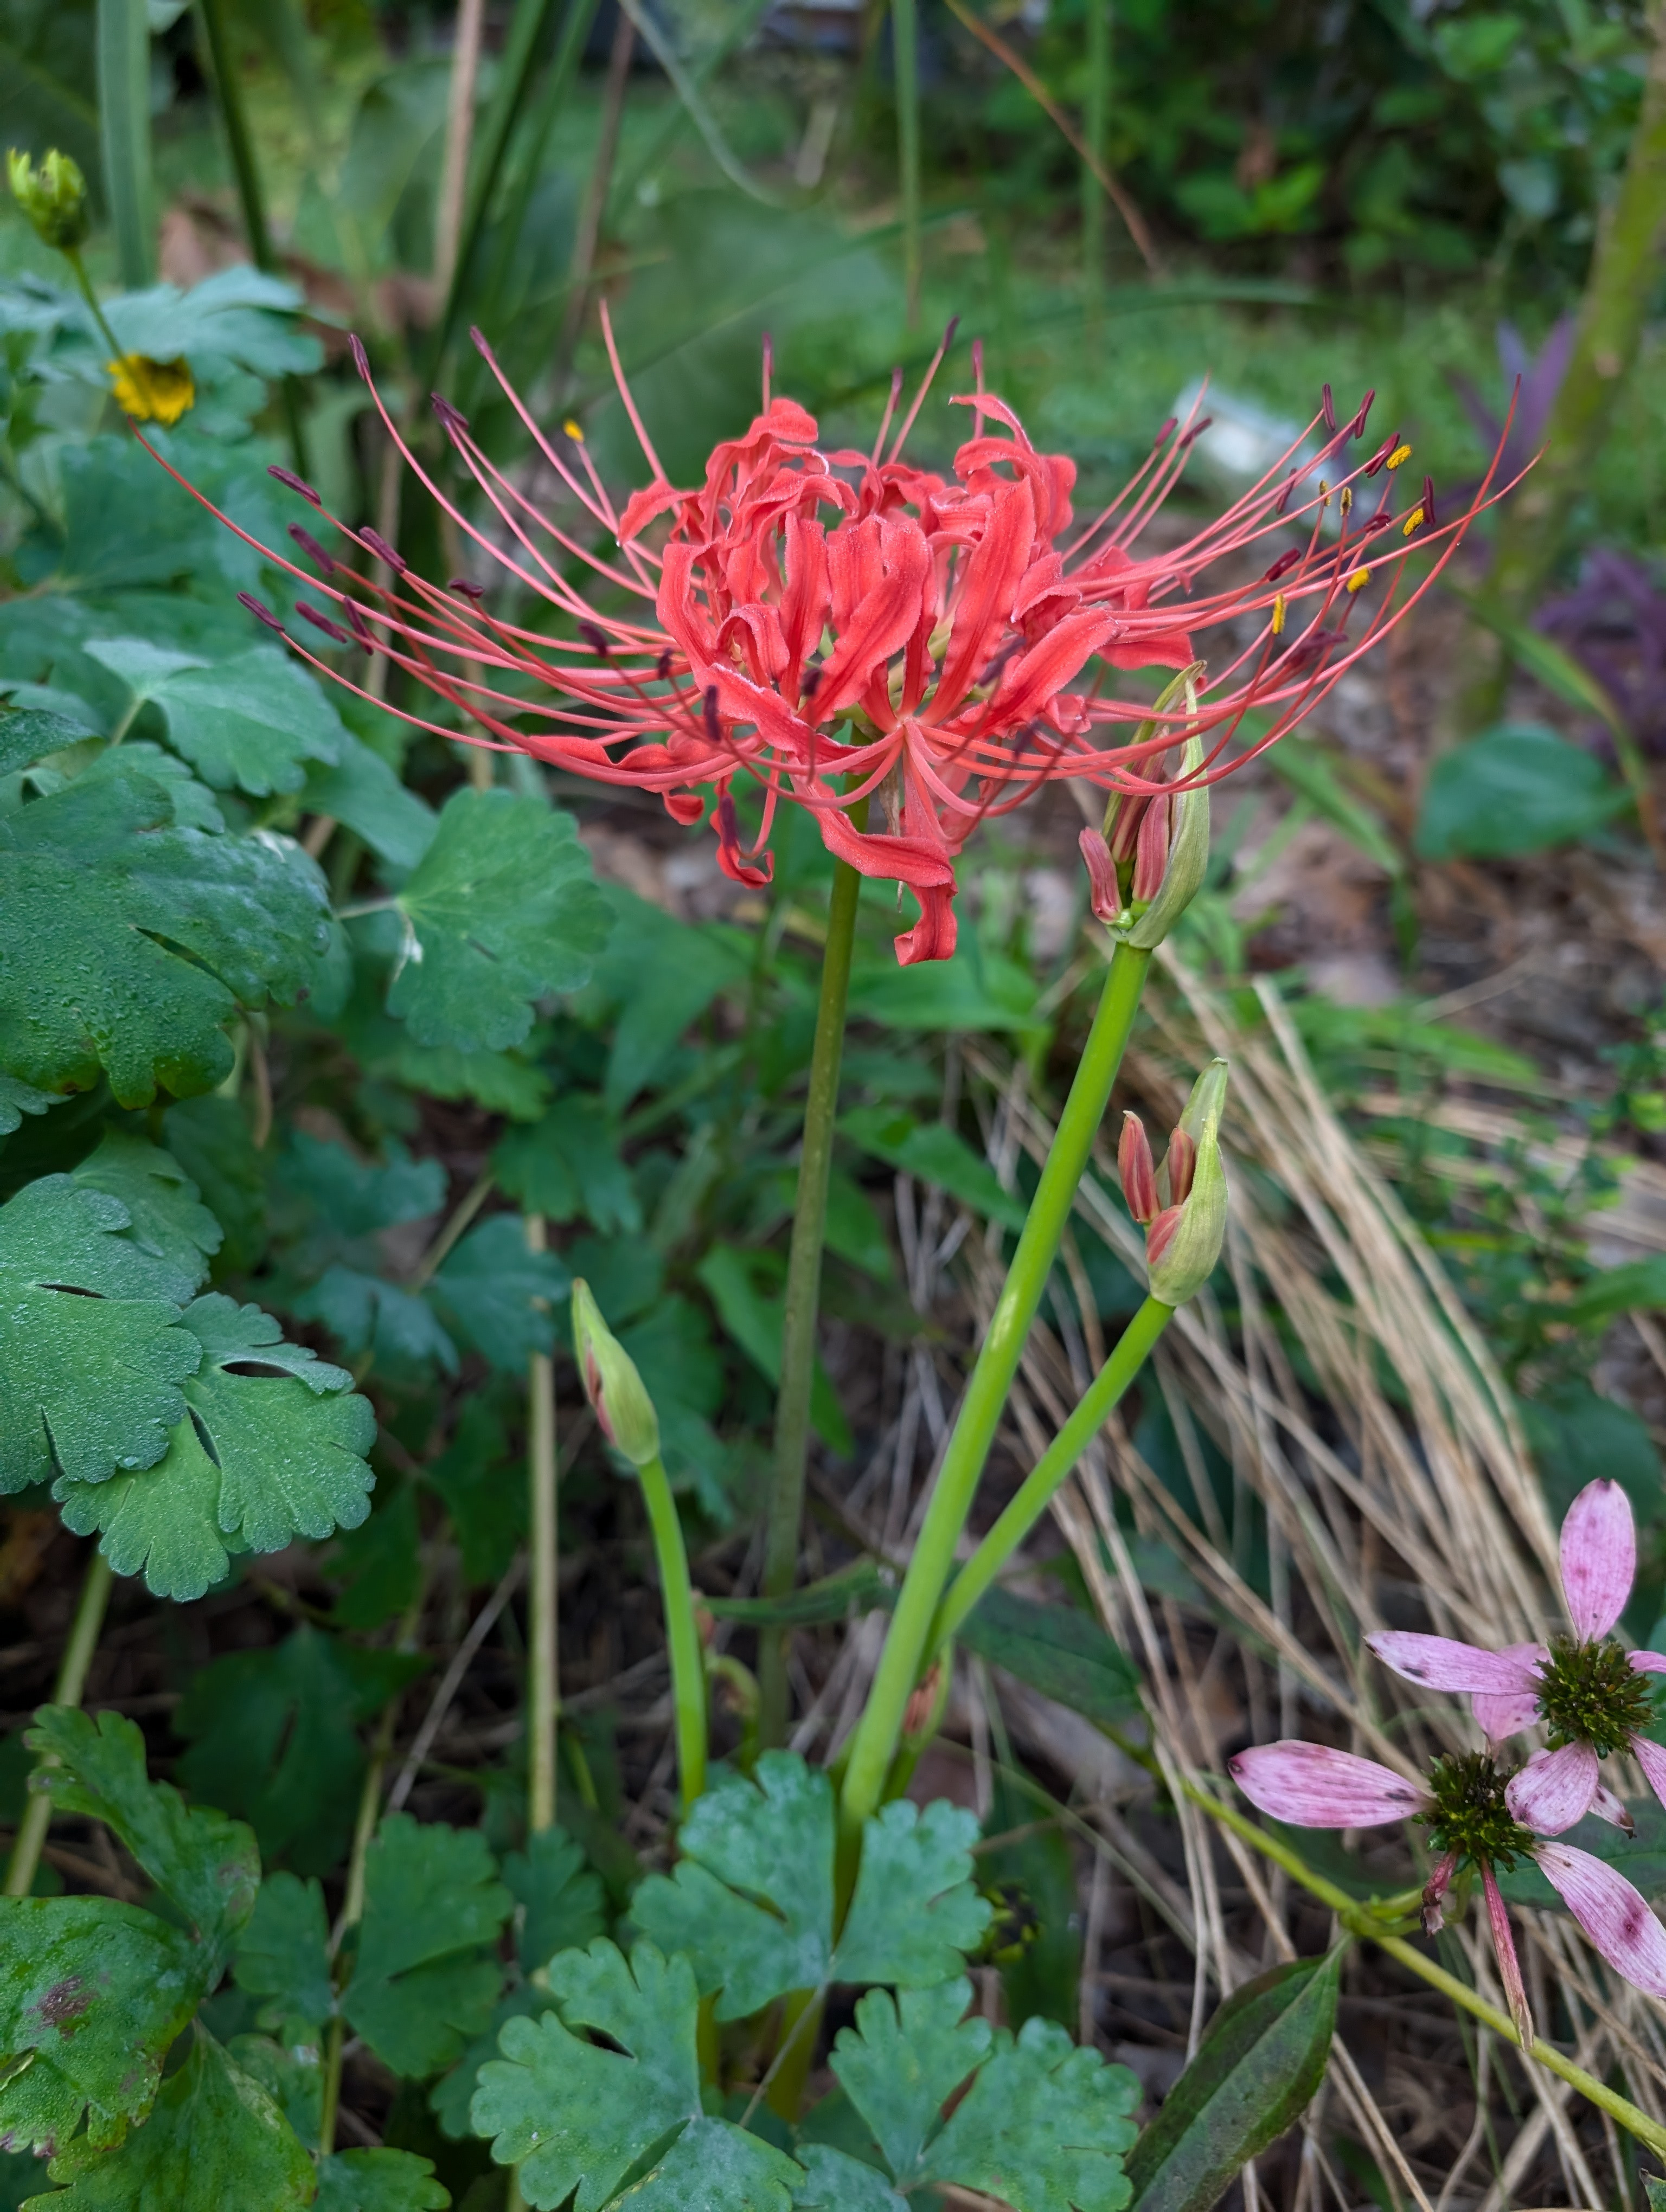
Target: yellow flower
x,y
152,391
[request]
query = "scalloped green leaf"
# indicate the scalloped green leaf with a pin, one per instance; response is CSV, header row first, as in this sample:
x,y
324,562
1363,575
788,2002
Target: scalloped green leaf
x,y
379,2181
214,2139
283,1956
750,1902
562,1904
272,1447
91,1354
576,2117
427,1972
165,1213
500,911
904,2059
131,940
92,1993
251,723
1045,2126
206,1865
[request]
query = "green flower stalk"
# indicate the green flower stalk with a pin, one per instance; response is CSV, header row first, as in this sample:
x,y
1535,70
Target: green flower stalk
x,y
624,1413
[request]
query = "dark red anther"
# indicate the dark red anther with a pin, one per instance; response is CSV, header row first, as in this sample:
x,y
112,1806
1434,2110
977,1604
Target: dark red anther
x,y
662,665
1379,459
450,418
708,713
360,358
314,552
1378,521
356,624
1428,503
1196,431
1306,650
1283,499
810,677
373,542
295,483
1137,1168
322,622
1289,559
1328,407
952,325
596,638
466,587
261,614
1357,428
1164,433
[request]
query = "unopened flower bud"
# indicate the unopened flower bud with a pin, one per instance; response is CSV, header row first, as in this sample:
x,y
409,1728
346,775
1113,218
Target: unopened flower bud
x,y
1184,1243
1103,895
1151,852
53,198
1169,870
624,1412
1137,1169
1179,1166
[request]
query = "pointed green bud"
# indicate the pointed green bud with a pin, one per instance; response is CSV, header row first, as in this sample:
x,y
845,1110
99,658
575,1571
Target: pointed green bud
x,y
1183,1243
624,1412
52,196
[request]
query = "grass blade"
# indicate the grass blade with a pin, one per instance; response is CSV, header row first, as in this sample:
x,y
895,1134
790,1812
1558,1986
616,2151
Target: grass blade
x,y
124,82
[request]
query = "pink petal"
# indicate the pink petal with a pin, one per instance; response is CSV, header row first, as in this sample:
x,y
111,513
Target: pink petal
x,y
1554,1789
1599,1557
1651,1758
1499,1717
1310,1786
1439,1664
1510,1967
1607,1806
1648,1662
1614,1916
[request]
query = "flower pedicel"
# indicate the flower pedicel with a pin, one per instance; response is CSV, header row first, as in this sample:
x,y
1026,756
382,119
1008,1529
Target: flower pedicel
x,y
1466,1807
846,627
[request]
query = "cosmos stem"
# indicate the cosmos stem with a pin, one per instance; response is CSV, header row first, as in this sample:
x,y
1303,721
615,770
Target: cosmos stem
x,y
1361,1921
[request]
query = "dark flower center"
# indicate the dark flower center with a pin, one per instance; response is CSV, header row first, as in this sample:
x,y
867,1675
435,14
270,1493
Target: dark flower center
x,y
1591,1693
1470,1816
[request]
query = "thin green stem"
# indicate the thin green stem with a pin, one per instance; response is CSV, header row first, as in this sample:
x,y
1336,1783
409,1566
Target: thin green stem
x,y
874,1744
544,1684
804,1280
352,1903
67,1691
905,59
1361,1921
1103,1393
688,1665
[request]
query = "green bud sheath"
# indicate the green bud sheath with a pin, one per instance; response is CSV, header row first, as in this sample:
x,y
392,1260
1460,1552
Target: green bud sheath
x,y
617,1396
53,197
1189,1258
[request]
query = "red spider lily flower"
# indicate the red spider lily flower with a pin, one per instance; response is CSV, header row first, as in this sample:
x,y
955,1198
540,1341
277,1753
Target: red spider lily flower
x,y
844,626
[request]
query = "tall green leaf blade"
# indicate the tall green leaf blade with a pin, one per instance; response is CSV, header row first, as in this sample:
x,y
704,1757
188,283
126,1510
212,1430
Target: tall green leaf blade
x,y
124,87
1058,1651
1255,2071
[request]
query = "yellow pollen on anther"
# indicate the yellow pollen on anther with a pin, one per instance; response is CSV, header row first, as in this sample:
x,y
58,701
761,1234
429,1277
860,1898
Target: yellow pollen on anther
x,y
1345,500
1413,521
1399,453
1359,579
1278,614
1325,493
577,435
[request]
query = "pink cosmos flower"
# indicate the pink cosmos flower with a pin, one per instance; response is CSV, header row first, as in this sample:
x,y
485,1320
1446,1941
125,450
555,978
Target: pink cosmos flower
x,y
1466,1807
846,627
1589,1691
